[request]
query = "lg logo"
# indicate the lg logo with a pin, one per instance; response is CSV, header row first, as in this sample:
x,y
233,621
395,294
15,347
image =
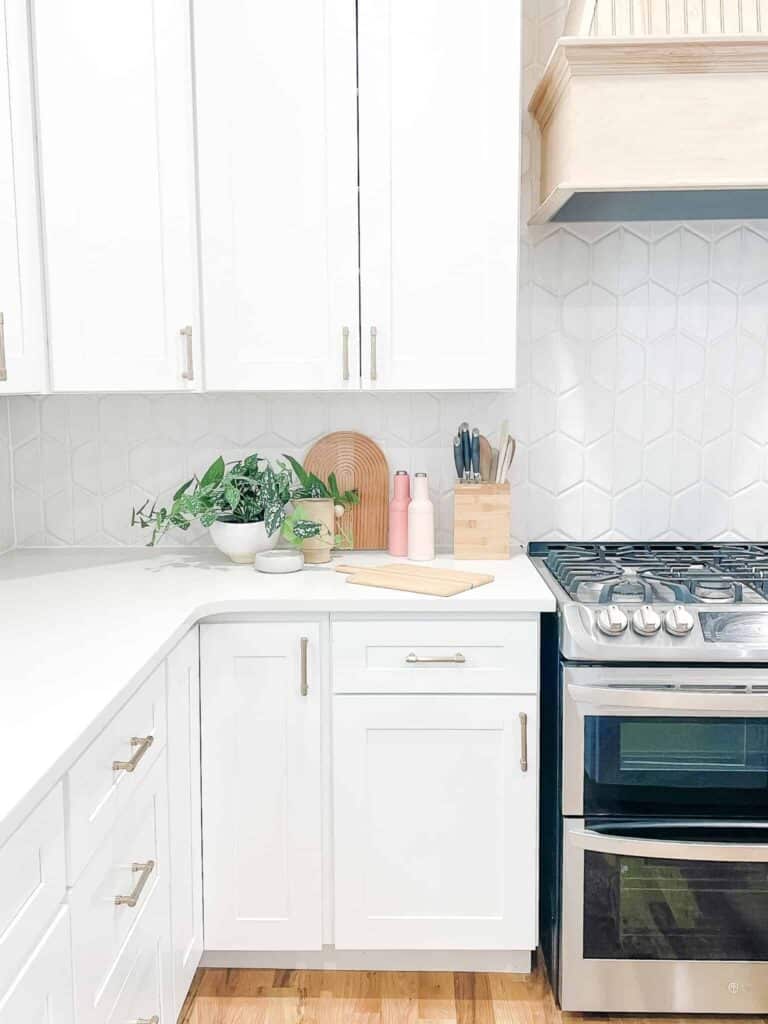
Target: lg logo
x,y
736,987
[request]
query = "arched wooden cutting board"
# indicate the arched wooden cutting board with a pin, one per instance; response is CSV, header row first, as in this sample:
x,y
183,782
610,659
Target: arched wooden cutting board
x,y
359,464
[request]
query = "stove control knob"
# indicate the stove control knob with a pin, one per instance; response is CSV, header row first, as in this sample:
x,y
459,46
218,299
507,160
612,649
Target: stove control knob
x,y
678,621
646,621
612,620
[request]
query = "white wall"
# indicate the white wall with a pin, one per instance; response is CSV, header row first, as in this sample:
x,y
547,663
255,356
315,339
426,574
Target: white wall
x,y
6,504
642,410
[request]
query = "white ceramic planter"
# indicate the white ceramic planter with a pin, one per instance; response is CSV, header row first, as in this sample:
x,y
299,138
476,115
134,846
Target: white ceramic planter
x,y
242,541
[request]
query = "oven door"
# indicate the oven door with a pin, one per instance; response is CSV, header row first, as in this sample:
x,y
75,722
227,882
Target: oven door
x,y
664,917
665,742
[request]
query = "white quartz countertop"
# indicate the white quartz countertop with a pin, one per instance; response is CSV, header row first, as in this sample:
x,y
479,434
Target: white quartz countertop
x,y
81,629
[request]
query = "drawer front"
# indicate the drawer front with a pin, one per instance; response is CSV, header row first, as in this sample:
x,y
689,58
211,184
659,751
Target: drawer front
x,y
42,991
436,656
136,850
98,790
142,995
32,882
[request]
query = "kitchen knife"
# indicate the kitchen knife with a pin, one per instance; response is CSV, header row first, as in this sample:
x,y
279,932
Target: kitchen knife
x,y
458,456
485,459
475,455
466,445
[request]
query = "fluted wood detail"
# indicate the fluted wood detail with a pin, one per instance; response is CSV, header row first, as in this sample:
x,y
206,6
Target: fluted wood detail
x,y
359,464
621,18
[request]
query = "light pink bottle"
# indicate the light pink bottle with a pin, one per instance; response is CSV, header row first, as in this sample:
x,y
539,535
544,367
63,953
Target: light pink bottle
x,y
421,522
398,515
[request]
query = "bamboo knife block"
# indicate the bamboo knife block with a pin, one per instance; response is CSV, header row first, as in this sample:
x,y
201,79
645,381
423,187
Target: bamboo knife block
x,y
481,517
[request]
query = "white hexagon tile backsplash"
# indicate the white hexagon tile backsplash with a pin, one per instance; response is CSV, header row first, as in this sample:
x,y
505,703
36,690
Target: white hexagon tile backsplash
x,y
641,412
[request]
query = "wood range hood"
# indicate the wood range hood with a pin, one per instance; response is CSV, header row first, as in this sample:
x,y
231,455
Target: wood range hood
x,y
655,110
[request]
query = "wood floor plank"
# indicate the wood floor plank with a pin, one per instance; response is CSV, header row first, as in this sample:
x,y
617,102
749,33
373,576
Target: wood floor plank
x,y
378,997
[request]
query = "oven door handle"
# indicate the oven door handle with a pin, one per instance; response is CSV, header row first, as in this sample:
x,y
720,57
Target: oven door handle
x,y
668,849
684,701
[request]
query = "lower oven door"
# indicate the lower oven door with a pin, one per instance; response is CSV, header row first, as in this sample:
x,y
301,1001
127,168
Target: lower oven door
x,y
665,742
664,917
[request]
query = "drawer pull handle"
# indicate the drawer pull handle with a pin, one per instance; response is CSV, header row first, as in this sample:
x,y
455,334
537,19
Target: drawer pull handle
x,y
142,744
304,688
523,742
145,871
148,1020
442,659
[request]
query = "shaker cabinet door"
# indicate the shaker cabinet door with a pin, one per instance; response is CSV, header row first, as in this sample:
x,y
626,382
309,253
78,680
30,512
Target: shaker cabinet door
x,y
43,992
22,330
262,788
439,192
435,822
117,176
277,151
186,877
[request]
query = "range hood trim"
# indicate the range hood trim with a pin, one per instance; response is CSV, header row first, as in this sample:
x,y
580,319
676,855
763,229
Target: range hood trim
x,y
577,58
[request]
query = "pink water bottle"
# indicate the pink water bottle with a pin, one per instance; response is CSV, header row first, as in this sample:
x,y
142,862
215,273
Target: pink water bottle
x,y
421,522
398,515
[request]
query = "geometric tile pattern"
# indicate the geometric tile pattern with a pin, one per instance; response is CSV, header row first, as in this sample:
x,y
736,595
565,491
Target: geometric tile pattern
x,y
641,411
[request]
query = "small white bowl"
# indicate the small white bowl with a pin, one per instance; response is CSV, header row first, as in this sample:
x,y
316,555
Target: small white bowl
x,y
279,561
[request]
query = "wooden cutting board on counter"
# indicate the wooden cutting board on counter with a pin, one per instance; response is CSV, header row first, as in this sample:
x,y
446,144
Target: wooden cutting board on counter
x,y
416,579
359,464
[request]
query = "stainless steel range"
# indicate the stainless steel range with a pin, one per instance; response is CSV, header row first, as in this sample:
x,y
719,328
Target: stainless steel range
x,y
654,844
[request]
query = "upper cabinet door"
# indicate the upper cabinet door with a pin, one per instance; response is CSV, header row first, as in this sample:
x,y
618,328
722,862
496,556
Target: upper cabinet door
x,y
439,190
117,174
277,140
22,324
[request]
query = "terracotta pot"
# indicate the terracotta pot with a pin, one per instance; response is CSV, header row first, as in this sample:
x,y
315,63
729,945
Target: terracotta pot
x,y
240,542
318,510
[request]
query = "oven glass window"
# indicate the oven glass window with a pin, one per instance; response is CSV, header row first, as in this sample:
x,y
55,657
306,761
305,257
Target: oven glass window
x,y
643,908
637,765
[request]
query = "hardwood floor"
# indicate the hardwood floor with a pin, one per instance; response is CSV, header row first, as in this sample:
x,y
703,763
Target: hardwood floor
x,y
379,997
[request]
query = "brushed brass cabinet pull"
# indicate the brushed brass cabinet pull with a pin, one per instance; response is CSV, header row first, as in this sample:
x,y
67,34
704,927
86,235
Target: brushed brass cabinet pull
x,y
304,690
374,368
3,364
446,659
148,1020
523,742
142,744
189,372
345,352
144,870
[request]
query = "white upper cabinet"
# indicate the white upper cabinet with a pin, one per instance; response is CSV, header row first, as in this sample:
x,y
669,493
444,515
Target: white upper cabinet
x,y
439,192
277,147
22,325
117,175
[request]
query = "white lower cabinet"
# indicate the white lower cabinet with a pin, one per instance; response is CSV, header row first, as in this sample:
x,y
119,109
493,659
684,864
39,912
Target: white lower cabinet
x,y
435,811
262,787
186,877
42,992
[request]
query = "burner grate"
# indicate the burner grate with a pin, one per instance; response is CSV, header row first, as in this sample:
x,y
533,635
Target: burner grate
x,y
685,573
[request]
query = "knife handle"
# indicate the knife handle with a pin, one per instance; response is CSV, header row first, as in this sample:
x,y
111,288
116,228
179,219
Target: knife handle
x,y
458,457
475,454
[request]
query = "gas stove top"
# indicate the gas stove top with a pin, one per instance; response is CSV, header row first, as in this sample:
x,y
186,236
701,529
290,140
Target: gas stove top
x,y
652,602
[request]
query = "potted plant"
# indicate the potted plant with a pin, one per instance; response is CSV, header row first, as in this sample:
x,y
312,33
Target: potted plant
x,y
243,505
322,503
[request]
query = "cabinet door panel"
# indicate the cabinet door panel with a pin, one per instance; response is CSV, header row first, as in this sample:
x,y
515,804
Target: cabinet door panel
x,y
278,192
42,993
435,823
21,298
115,108
184,814
439,184
261,787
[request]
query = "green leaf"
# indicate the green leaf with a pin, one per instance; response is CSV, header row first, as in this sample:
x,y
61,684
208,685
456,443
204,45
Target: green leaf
x,y
274,515
301,474
183,489
232,495
214,474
